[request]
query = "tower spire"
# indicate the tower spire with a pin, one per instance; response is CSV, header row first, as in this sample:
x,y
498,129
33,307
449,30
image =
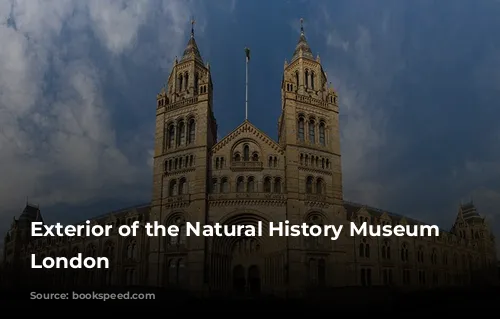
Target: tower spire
x,y
192,27
302,49
191,50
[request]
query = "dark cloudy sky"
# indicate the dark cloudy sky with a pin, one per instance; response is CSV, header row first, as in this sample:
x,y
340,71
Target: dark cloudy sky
x,y
419,87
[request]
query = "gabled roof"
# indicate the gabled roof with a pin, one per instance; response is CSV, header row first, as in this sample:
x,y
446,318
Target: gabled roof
x,y
246,126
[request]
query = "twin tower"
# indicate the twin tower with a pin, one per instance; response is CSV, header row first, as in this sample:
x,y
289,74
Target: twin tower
x,y
244,178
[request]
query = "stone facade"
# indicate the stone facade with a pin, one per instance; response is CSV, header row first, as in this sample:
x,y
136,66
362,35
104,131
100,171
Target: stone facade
x,y
248,177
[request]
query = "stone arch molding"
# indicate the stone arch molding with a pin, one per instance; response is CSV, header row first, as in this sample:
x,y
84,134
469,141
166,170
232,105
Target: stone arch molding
x,y
224,245
316,212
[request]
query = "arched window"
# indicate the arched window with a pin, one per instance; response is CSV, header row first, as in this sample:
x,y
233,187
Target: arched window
x,y
313,271
182,234
306,79
240,185
300,129
312,80
322,140
267,184
246,153
181,133
386,250
214,189
171,136
314,242
312,131
319,186
420,254
237,157
182,186
277,185
192,131
131,250
224,185
196,81
179,88
434,257
309,185
172,188
180,239
404,253
255,157
186,82
297,79
250,185
364,248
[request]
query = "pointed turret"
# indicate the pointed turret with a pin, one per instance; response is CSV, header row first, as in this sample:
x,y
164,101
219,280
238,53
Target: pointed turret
x,y
192,51
302,49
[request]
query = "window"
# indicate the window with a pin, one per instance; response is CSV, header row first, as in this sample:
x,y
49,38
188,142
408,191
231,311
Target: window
x,y
387,276
176,269
301,129
192,131
366,277
434,257
171,136
404,253
322,140
309,185
224,185
181,134
196,82
240,186
246,153
267,184
172,188
386,250
312,131
319,186
132,250
420,255
182,186
277,185
364,248
215,185
250,185
180,239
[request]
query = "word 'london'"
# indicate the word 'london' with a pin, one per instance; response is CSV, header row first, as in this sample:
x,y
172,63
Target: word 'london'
x,y
196,229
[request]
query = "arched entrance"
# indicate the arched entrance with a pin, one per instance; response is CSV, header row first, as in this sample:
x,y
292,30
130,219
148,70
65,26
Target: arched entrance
x,y
254,279
239,280
246,279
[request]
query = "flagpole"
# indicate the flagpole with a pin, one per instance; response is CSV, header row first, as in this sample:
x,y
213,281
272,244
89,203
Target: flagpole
x,y
247,51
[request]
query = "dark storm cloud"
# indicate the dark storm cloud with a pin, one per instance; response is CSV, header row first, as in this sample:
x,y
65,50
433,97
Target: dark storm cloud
x,y
418,82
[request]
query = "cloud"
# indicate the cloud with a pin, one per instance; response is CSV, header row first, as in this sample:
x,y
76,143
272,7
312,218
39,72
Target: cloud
x,y
58,138
417,105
